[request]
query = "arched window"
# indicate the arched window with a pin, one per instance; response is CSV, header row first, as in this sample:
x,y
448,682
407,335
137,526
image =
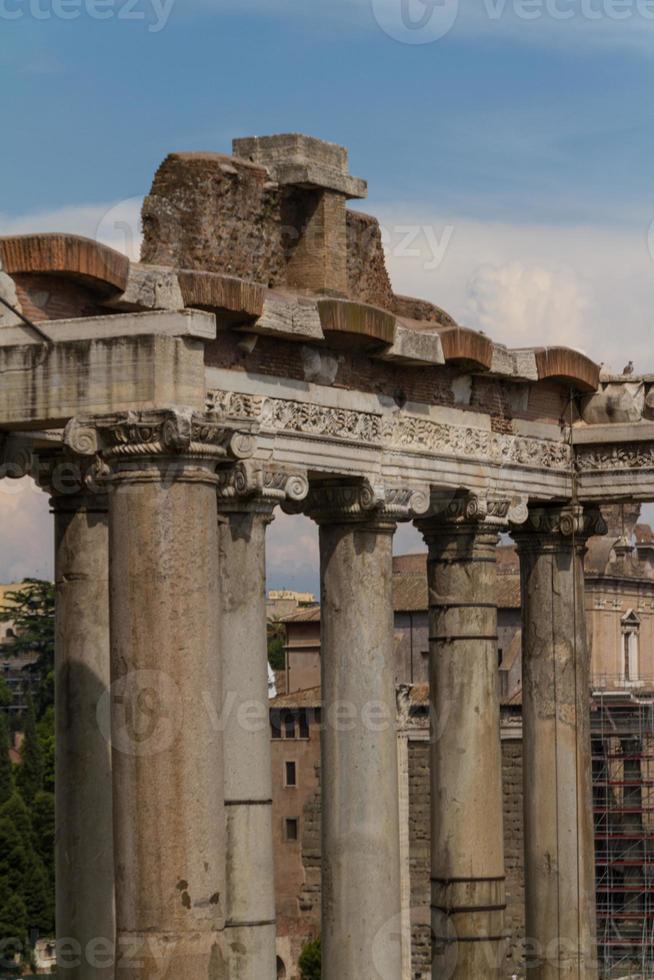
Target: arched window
x,y
630,647
281,969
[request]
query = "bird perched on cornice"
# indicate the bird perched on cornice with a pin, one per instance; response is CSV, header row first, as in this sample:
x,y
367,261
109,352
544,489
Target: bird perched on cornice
x,y
629,369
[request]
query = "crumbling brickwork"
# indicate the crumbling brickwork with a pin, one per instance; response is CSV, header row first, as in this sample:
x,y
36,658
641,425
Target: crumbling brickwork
x,y
216,213
367,277
225,214
513,850
44,297
419,859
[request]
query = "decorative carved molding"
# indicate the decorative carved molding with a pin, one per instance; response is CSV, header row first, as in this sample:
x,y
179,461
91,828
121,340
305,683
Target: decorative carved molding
x,y
608,458
488,512
169,432
362,500
390,432
567,521
260,482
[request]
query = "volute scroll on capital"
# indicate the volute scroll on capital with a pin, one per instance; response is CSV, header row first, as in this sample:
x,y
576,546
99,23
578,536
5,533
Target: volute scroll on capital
x,y
464,509
250,482
54,469
360,501
566,521
167,432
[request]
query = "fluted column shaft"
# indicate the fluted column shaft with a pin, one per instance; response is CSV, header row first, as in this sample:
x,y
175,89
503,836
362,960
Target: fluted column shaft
x,y
250,912
83,789
467,843
558,814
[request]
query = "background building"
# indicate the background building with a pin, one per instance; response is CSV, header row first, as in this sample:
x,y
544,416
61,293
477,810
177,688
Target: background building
x,y
620,608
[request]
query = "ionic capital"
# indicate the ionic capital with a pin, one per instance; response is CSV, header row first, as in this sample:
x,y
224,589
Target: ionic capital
x,y
362,501
562,525
17,456
260,486
178,435
483,513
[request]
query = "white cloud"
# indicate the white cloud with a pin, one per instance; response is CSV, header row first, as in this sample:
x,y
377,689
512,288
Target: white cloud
x,y
27,532
116,223
590,287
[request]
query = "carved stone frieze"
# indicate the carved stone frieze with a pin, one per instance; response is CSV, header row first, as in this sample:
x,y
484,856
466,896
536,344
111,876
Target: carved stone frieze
x,y
608,458
393,432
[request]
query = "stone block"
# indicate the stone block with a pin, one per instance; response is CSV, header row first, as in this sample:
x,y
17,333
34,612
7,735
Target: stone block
x,y
303,161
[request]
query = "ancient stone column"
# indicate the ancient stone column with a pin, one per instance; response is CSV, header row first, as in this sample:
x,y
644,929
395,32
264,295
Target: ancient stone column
x,y
467,841
246,500
559,844
85,924
361,900
166,693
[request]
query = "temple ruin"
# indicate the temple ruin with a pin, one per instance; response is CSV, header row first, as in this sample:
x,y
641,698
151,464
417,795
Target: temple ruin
x,y
258,358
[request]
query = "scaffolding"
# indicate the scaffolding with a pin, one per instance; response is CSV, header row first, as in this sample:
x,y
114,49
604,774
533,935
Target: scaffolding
x,y
622,731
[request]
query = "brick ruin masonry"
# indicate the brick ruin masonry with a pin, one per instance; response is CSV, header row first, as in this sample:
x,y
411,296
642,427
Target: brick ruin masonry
x,y
224,214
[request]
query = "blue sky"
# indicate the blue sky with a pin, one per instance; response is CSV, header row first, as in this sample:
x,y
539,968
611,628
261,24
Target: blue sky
x,y
545,121
519,142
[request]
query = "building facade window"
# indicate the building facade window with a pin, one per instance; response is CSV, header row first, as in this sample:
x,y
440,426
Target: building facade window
x,y
291,829
289,724
290,773
630,647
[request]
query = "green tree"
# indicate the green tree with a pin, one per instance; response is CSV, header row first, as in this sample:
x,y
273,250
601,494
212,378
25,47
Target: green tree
x,y
30,610
38,896
13,925
46,733
310,961
13,861
276,645
43,823
29,777
6,696
6,775
35,887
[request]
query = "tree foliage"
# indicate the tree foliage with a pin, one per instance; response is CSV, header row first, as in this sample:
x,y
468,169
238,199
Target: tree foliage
x,y
310,961
6,775
276,645
30,609
31,770
26,798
